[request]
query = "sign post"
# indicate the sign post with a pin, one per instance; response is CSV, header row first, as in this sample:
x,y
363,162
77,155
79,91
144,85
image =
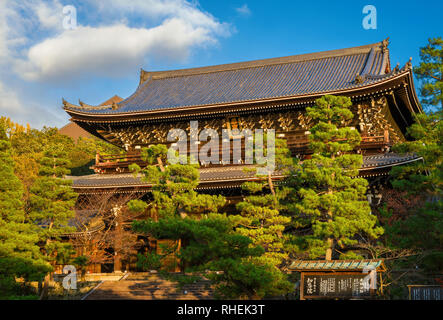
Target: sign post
x,y
338,279
425,292
317,285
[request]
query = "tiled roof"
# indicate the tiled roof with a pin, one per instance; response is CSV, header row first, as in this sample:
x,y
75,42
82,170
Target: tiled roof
x,y
213,174
287,77
229,174
74,131
300,265
387,159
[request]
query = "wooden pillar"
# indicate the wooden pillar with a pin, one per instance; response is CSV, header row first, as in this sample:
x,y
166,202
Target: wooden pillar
x,y
302,287
386,136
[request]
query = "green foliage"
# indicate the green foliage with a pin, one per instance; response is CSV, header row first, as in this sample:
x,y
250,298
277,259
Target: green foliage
x,y
427,175
174,186
52,199
260,220
430,72
212,244
259,213
244,280
327,199
421,229
149,261
208,239
350,255
19,254
153,153
81,261
137,205
83,151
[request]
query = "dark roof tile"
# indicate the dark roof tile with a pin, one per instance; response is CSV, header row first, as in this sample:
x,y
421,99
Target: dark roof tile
x,y
291,76
228,174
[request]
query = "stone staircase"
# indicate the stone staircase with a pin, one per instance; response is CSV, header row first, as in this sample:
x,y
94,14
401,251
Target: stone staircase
x,y
151,287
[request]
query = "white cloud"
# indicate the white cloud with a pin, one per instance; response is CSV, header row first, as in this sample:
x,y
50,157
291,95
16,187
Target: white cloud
x,y
22,21
49,14
4,32
244,10
113,38
162,9
109,48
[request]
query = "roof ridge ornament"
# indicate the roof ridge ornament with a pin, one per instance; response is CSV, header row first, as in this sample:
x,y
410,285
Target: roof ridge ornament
x,y
68,105
144,76
114,106
384,45
85,105
408,65
359,79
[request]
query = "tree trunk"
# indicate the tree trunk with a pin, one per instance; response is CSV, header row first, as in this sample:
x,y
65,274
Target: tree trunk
x,y
118,243
330,241
271,186
328,256
44,291
40,287
160,164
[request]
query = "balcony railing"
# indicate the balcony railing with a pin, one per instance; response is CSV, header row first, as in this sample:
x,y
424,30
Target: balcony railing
x,y
298,144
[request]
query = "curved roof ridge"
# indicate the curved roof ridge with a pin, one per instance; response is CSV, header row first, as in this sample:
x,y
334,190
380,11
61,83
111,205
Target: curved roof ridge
x,y
145,75
111,103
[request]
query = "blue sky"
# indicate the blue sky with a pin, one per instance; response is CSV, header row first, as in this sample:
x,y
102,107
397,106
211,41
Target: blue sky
x,y
41,62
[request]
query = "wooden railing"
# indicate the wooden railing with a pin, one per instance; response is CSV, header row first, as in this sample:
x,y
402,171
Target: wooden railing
x,y
114,158
298,144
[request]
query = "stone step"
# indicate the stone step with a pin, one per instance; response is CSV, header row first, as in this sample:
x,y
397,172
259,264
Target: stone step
x,y
154,289
150,298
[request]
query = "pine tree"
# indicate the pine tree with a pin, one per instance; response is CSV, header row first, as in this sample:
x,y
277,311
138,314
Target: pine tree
x,y
19,254
329,201
173,189
52,202
212,244
430,72
427,175
52,198
421,228
208,239
260,218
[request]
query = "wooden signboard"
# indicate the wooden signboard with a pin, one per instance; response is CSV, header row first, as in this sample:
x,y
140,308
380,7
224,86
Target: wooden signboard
x,y
315,285
425,292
